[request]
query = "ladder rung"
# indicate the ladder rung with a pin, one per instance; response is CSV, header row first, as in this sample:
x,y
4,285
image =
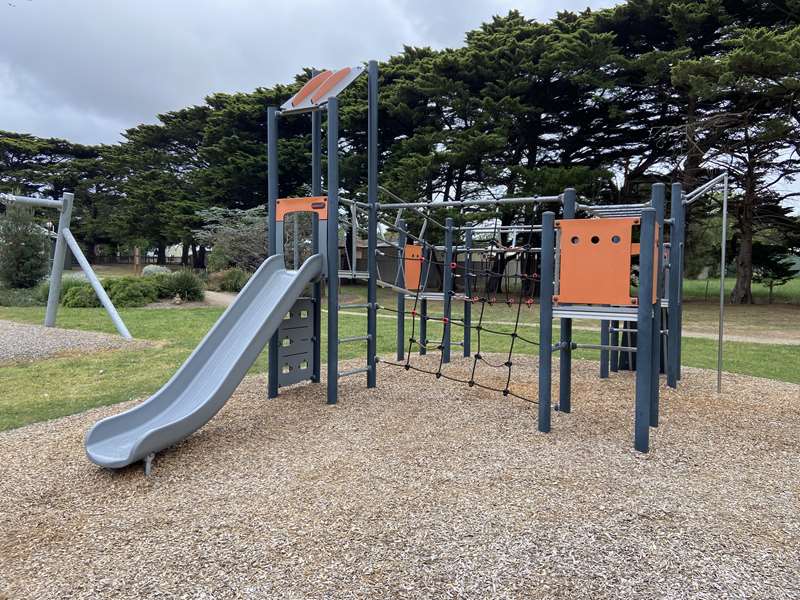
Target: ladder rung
x,y
355,338
439,342
353,275
353,372
346,306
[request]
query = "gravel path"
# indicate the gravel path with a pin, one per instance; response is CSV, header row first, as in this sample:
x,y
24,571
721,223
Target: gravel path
x,y
421,488
25,342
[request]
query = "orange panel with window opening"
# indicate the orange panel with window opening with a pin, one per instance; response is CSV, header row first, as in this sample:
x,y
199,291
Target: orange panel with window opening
x,y
315,204
595,261
412,266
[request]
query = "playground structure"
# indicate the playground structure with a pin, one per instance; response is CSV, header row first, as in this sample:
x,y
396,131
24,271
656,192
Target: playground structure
x,y
582,266
64,240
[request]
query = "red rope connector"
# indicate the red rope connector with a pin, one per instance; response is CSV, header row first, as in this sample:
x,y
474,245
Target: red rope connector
x,y
453,266
445,320
529,301
413,313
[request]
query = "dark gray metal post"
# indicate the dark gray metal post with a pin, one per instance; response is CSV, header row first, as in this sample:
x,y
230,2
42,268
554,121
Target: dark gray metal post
x,y
675,287
614,355
565,361
272,241
59,257
546,318
644,337
604,341
447,289
401,296
316,190
333,250
657,202
467,293
372,233
423,326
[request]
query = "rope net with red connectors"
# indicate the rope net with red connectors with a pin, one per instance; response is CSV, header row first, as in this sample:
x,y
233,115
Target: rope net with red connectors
x,y
518,288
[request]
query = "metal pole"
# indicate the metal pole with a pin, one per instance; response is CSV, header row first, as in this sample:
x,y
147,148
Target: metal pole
x,y
316,190
546,319
272,238
657,201
614,355
423,326
604,342
372,225
401,296
674,292
722,259
447,288
467,204
59,256
95,283
644,337
467,293
565,360
333,250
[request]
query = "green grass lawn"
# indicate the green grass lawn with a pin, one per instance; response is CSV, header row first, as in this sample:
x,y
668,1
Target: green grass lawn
x,y
708,290
66,385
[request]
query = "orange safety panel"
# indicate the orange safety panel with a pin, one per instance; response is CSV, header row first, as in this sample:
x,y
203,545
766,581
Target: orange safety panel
x,y
311,86
412,265
595,261
317,204
329,84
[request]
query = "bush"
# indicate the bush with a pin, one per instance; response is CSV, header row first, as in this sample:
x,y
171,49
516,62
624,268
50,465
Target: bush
x,y
130,292
233,280
24,248
163,284
186,285
19,297
155,270
67,283
80,296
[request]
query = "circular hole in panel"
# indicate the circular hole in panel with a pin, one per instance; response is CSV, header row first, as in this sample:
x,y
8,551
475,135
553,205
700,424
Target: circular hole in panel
x,y
595,239
575,239
615,239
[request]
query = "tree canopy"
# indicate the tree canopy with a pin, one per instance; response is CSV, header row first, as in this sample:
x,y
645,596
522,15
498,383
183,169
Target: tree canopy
x,y
605,101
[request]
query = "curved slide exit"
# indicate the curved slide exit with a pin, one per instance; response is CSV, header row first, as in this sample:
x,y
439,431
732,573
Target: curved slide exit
x,y
200,388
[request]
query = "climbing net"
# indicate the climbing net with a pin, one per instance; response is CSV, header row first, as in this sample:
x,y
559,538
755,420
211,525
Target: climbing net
x,y
491,271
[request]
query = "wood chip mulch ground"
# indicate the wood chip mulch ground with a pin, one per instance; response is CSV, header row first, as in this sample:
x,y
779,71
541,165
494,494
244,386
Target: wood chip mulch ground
x,y
421,488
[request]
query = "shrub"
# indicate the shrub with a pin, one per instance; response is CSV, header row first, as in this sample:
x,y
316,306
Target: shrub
x,y
186,285
233,280
67,283
80,296
19,297
155,270
163,284
24,248
129,292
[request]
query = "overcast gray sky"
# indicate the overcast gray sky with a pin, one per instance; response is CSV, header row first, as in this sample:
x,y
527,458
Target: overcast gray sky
x,y
87,69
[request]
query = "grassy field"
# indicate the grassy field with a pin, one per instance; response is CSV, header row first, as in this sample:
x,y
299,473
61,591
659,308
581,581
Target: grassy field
x,y
70,384
708,290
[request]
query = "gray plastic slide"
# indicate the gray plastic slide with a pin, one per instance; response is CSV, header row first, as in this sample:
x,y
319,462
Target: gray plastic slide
x,y
211,373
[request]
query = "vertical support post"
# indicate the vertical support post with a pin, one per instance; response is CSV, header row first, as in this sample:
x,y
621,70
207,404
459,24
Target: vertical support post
x,y
614,355
675,287
447,288
565,359
546,319
644,337
423,326
604,341
372,226
333,250
59,257
467,293
401,296
724,243
316,190
657,202
272,240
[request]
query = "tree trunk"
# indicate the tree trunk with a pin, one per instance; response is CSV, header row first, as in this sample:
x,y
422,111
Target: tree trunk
x,y
771,288
185,255
742,291
199,257
161,255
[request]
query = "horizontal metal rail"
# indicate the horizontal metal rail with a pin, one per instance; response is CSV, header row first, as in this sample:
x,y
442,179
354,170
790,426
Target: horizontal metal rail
x,y
347,306
696,193
28,201
355,338
604,347
611,313
470,203
342,374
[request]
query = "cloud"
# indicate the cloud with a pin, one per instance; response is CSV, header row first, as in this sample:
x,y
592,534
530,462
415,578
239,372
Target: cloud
x,y
87,69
